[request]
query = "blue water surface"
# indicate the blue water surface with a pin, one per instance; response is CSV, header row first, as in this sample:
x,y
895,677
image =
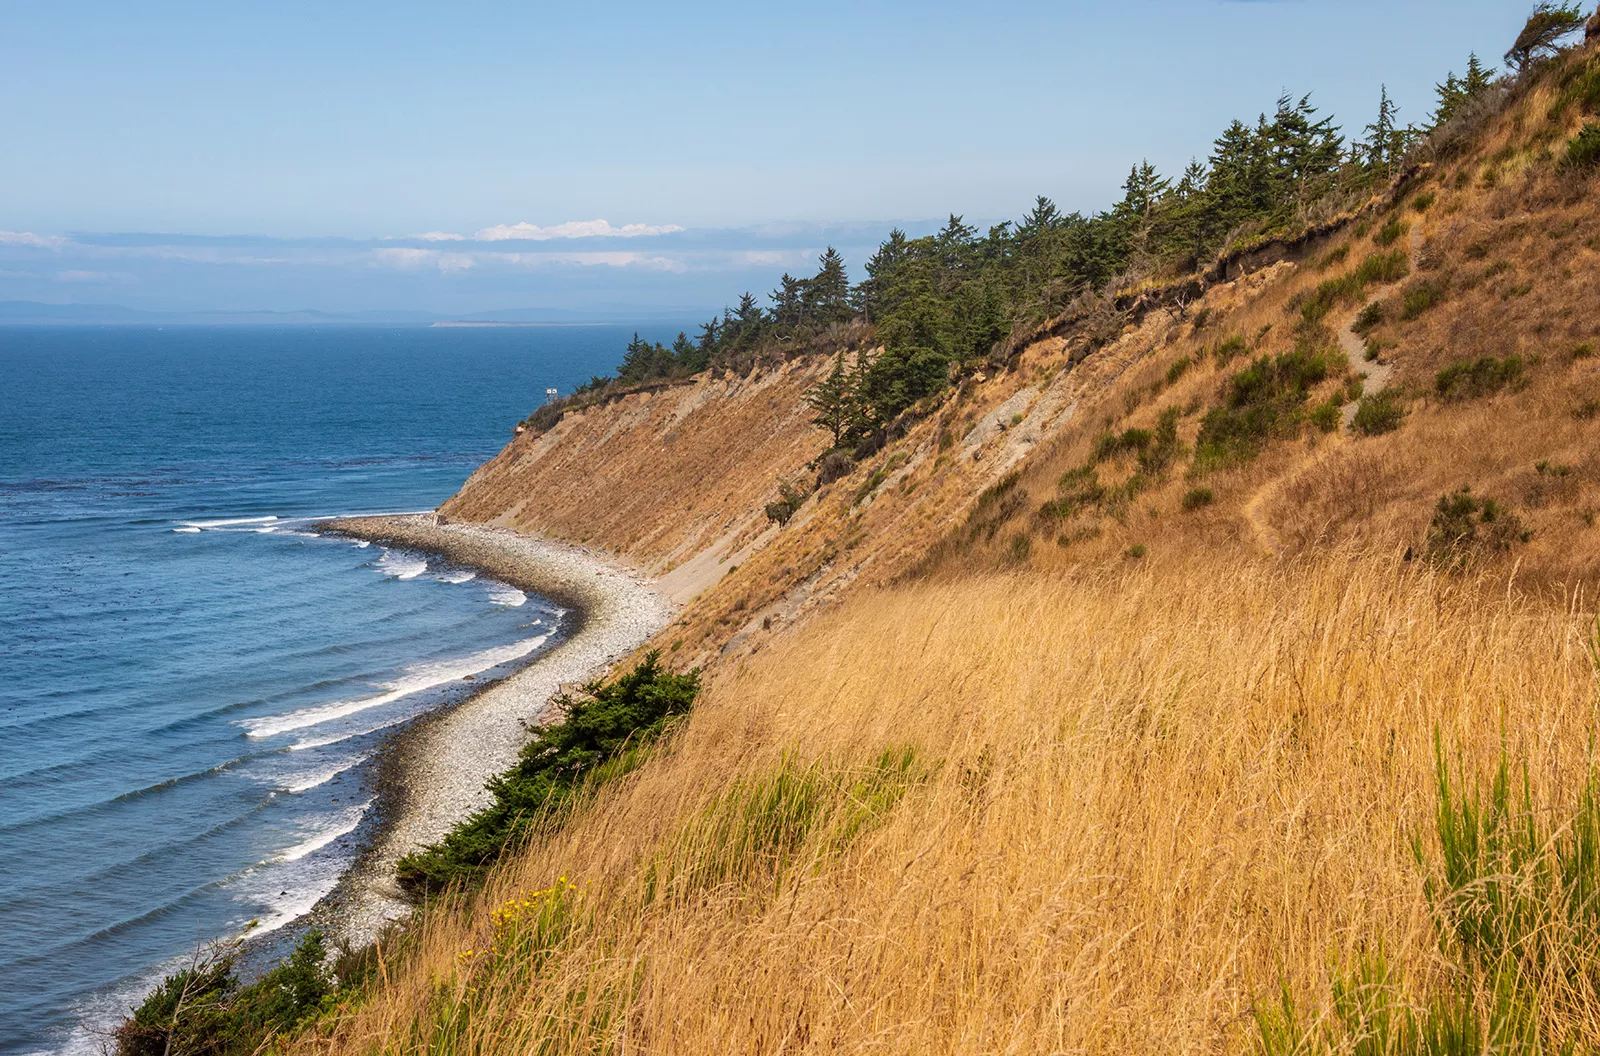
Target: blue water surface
x,y
190,682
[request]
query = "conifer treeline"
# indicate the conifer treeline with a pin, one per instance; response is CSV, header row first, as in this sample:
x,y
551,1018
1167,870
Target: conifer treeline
x,y
946,299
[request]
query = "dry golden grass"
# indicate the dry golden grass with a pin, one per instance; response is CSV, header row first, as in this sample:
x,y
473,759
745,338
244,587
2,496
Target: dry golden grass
x,y
1138,801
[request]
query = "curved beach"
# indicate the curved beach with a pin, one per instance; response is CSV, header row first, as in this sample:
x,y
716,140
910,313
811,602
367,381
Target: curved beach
x,y
437,770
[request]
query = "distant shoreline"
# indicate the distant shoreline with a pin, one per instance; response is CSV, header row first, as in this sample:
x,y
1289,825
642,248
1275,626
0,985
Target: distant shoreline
x,y
433,772
468,322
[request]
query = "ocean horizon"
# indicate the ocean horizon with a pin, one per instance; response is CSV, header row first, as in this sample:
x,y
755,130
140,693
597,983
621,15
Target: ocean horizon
x,y
196,684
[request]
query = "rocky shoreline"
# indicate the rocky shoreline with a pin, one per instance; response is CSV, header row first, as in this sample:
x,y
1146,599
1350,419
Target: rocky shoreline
x,y
433,773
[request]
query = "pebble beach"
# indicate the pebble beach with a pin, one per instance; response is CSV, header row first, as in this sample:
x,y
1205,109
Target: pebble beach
x,y
436,770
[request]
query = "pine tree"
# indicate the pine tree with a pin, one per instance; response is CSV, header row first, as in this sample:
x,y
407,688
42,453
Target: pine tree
x,y
1386,141
827,296
834,401
789,304
1478,76
1543,32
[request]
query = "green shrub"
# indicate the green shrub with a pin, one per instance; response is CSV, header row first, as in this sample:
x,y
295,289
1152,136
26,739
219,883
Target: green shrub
x,y
1179,367
790,498
611,726
1327,416
1583,150
1465,527
1227,351
871,484
1477,378
1264,400
1080,489
1336,256
1384,267
1021,546
1369,317
1424,201
1378,413
206,1011
1198,498
996,505
1315,305
1420,296
1109,445
1390,233
1580,84
1163,449
1137,551
1583,351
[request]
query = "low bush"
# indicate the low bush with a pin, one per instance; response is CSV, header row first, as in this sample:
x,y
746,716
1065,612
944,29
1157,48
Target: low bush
x,y
1178,369
790,498
1384,267
1369,317
1390,233
1466,527
1227,351
1080,490
1336,256
602,734
205,1010
1198,498
1424,201
1164,448
1421,296
836,465
1583,351
1378,413
1583,150
1109,445
1476,378
1327,416
996,505
1264,400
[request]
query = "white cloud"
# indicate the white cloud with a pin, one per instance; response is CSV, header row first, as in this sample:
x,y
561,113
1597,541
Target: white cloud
x,y
572,229
28,238
439,236
614,259
404,258
421,258
93,276
771,258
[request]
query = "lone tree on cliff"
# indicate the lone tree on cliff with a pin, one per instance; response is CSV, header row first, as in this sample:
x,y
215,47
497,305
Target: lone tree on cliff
x,y
1543,32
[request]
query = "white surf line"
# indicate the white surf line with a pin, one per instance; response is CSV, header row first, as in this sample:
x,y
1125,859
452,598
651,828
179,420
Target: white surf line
x,y
421,677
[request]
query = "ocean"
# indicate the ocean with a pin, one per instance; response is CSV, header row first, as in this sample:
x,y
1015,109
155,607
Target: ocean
x,y
192,684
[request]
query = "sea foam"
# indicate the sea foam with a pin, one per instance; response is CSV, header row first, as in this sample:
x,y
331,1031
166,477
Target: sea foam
x,y
414,679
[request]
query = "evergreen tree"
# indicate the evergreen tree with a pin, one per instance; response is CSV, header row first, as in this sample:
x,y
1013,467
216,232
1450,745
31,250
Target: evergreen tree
x,y
827,296
1543,32
1386,140
1456,92
834,399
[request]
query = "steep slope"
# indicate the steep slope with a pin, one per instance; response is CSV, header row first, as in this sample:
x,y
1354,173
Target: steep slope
x,y
1127,699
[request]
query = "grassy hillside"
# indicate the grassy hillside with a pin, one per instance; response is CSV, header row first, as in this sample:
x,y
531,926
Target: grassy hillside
x,y
1108,812
1213,667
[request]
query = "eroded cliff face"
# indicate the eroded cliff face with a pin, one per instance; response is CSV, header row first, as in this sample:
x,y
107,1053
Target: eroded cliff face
x,y
665,479
1489,262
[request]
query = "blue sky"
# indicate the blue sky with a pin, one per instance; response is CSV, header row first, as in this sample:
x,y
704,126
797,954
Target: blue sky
x,y
215,155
